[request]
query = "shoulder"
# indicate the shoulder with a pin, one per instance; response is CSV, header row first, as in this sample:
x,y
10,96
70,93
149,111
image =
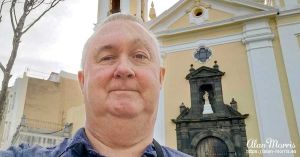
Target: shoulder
x,y
25,150
169,152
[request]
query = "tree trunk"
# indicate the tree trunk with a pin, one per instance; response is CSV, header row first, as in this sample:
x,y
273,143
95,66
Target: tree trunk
x,y
3,94
7,72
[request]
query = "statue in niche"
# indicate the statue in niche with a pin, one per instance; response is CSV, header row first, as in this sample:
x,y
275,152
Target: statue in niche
x,y
202,101
207,106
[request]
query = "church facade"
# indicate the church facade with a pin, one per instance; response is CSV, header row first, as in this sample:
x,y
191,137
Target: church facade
x,y
256,43
232,79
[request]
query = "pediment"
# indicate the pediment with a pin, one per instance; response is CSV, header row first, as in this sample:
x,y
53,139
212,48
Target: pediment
x,y
204,72
179,15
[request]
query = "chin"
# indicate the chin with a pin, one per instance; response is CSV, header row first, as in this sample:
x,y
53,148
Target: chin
x,y
126,109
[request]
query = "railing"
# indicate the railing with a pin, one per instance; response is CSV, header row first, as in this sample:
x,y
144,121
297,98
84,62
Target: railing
x,y
37,139
39,124
42,133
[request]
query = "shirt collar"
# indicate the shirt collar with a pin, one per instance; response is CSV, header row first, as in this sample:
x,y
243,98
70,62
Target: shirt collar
x,y
80,140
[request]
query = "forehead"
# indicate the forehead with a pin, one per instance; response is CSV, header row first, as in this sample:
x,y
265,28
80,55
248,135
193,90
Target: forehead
x,y
121,32
123,28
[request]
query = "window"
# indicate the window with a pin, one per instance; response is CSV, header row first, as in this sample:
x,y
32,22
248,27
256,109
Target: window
x,y
115,6
202,54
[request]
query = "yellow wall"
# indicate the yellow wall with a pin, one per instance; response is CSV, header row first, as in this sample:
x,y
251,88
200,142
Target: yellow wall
x,y
232,59
281,20
76,115
218,15
289,110
71,94
238,86
49,102
214,15
43,101
201,34
182,22
133,7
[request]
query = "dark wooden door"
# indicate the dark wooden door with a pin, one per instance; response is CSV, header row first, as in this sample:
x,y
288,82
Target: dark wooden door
x,y
115,6
212,147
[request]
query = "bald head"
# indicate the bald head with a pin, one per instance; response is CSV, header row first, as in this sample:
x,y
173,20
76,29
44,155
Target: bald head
x,y
120,18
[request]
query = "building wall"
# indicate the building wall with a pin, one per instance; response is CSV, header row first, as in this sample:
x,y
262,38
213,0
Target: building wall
x,y
232,59
50,101
287,27
76,115
71,96
14,110
43,101
202,35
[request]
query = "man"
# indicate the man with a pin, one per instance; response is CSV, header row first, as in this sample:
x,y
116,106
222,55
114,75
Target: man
x,y
120,79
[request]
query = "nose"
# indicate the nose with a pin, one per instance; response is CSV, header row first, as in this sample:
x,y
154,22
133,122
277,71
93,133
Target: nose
x,y
124,70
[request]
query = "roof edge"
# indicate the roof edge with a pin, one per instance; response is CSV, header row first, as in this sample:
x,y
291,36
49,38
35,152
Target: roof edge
x,y
217,23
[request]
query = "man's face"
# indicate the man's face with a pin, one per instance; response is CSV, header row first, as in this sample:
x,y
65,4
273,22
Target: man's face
x,y
121,76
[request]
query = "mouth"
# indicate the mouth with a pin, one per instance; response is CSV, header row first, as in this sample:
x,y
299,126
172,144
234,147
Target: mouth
x,y
123,90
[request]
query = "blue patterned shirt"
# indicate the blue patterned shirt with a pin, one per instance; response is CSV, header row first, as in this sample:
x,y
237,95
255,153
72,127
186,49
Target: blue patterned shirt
x,y
78,146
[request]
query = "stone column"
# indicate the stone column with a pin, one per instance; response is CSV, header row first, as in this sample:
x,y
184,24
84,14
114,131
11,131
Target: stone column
x,y
103,9
125,6
266,88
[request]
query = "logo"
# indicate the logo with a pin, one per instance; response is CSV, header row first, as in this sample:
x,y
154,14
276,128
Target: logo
x,y
270,146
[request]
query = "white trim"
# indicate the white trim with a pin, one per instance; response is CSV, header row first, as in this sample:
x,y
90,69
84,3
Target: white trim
x,y
291,56
166,13
125,6
157,20
146,11
288,24
159,130
206,42
19,89
261,41
176,15
200,19
265,83
218,23
138,8
291,4
103,9
289,12
251,4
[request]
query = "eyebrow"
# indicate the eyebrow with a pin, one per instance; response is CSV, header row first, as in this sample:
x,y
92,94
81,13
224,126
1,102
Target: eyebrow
x,y
139,41
105,47
136,42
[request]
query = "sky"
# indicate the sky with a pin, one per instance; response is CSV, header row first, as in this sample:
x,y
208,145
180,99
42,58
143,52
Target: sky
x,y
56,41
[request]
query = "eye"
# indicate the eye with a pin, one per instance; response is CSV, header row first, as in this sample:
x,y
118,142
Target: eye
x,y
106,59
141,56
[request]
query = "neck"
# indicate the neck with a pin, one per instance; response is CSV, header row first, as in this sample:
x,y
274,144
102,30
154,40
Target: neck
x,y
120,137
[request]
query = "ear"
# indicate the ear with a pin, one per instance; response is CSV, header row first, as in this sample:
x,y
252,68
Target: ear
x,y
80,76
161,76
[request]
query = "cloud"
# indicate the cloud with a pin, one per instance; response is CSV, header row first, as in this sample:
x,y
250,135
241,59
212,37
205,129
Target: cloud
x,y
55,42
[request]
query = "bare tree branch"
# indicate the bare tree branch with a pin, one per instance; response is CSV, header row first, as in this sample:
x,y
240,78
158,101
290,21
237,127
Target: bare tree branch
x,y
1,7
15,16
53,4
2,67
25,6
41,2
13,5
19,28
